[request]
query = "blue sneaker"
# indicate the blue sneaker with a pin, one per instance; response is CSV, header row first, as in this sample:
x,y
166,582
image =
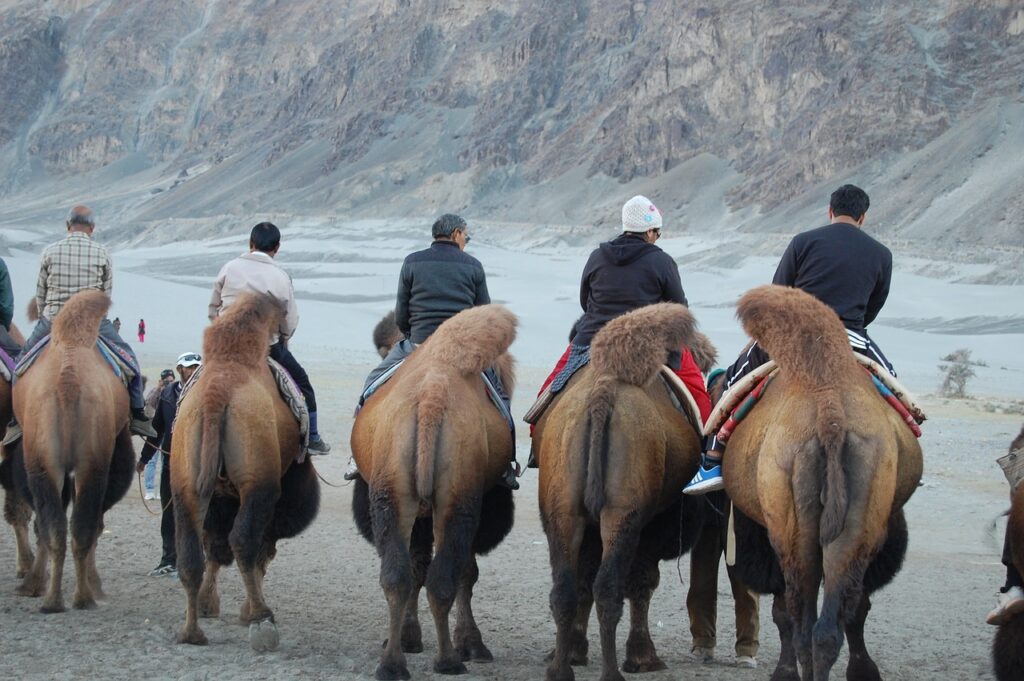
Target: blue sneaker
x,y
706,480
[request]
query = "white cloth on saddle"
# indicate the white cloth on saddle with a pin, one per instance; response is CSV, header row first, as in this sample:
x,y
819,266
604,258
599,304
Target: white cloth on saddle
x,y
734,395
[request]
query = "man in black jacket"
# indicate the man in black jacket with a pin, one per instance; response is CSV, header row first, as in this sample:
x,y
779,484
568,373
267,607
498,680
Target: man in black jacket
x,y
841,266
434,285
163,420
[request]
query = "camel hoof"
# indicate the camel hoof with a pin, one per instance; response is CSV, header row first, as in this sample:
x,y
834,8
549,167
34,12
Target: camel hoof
x,y
449,666
474,650
392,672
554,675
612,675
82,603
194,637
51,608
577,657
29,590
412,639
785,674
263,636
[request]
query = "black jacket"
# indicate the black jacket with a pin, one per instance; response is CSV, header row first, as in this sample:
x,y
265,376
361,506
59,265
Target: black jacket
x,y
163,419
841,266
435,284
622,275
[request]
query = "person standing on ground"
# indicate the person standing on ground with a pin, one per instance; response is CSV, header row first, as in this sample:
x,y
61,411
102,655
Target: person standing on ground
x,y
256,272
142,330
152,402
167,407
77,263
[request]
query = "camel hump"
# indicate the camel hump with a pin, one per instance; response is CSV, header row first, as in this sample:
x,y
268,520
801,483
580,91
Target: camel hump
x,y
242,332
473,339
633,347
802,334
78,322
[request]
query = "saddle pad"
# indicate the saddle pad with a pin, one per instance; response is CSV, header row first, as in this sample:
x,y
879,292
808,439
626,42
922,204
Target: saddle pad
x,y
890,382
734,395
685,397
119,360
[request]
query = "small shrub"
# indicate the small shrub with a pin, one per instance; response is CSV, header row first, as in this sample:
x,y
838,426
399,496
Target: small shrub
x,y
956,371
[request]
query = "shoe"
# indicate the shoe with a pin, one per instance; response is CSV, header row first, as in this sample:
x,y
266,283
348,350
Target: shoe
x,y
1010,605
746,661
13,434
164,571
141,425
318,447
353,471
508,479
702,655
149,496
706,480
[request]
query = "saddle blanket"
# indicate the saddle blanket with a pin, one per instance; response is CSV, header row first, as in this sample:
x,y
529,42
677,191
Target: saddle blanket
x,y
492,393
290,393
734,405
120,361
578,359
6,366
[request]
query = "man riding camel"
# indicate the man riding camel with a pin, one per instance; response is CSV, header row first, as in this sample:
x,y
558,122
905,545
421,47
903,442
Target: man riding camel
x,y
841,266
434,285
77,263
627,273
256,272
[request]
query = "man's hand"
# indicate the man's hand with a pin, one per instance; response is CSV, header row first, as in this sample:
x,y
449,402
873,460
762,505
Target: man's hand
x,y
140,466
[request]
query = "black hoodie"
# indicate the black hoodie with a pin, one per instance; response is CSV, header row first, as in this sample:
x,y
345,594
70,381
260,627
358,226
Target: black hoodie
x,y
622,275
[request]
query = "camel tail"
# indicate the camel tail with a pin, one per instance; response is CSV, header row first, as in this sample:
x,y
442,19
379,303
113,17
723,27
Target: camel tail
x,y
210,451
430,413
602,402
807,340
78,323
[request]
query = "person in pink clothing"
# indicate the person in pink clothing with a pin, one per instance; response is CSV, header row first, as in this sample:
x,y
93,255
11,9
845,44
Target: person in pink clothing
x,y
142,330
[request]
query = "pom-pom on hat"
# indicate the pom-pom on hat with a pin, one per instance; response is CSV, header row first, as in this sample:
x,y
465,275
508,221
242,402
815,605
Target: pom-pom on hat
x,y
640,215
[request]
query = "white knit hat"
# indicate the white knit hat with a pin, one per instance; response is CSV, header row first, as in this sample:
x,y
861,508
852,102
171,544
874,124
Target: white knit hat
x,y
640,215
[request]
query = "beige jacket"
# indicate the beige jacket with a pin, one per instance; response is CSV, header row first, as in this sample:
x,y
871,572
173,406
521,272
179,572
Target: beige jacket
x,y
256,272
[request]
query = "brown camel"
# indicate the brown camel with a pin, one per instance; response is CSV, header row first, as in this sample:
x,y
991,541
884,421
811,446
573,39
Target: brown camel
x,y
432,448
17,511
74,412
1008,647
818,474
234,478
614,453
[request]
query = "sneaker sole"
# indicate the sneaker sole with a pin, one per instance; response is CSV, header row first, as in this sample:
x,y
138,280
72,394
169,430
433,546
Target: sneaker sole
x,y
705,486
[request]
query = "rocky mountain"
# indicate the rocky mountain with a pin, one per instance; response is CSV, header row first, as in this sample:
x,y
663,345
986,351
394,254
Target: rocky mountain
x,y
736,115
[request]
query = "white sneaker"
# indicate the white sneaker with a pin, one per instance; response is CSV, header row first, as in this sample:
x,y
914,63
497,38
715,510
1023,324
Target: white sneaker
x,y
353,471
1010,605
149,496
746,662
702,655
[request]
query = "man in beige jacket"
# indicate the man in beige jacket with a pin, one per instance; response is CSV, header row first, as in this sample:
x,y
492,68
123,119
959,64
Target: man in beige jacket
x,y
256,272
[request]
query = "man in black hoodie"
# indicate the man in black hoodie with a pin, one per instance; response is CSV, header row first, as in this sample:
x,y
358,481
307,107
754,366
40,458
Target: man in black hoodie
x,y
627,273
843,267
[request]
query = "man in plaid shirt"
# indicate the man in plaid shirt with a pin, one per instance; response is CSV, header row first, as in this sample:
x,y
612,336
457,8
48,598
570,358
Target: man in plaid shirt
x,y
73,264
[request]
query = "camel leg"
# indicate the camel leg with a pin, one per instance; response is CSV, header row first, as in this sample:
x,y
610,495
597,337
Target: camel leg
x,y
255,513
861,667
34,582
802,604
620,535
190,565
786,669
641,655
454,535
86,525
392,523
53,531
468,640
565,538
421,547
18,514
209,597
90,566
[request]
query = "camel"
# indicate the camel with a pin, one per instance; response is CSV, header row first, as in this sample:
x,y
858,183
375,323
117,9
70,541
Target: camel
x,y
818,474
17,511
74,413
431,449
1008,647
614,453
235,482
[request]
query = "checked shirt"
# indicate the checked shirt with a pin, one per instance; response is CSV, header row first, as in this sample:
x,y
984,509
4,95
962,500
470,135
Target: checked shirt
x,y
73,264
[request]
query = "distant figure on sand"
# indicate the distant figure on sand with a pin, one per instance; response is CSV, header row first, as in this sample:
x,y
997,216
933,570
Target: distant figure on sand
x,y
142,330
117,324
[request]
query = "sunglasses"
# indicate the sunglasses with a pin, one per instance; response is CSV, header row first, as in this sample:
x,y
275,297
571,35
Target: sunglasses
x,y
190,358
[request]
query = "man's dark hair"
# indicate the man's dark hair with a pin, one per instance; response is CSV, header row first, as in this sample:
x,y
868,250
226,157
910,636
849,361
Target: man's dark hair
x,y
849,200
446,225
265,237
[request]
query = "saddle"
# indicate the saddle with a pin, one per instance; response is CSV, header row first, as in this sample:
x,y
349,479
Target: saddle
x,y
290,393
120,361
738,400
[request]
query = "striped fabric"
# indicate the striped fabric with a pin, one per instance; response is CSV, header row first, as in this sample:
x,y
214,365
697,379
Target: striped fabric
x,y
73,264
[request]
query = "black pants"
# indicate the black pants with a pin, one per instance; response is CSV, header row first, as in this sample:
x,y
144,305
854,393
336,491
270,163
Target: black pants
x,y
1013,577
283,356
170,554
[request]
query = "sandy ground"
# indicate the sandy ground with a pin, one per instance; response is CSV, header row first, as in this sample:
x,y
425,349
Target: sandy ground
x,y
929,624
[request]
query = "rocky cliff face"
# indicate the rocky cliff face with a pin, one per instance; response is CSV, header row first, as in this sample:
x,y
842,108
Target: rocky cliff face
x,y
525,110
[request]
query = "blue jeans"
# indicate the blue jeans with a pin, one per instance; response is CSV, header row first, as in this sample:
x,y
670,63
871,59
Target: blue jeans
x,y
150,475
